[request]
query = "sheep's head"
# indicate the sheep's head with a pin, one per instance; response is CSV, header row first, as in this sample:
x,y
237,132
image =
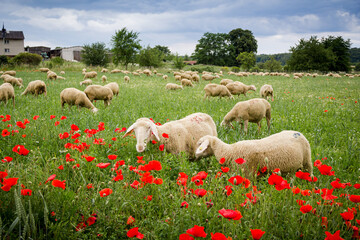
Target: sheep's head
x,y
204,147
252,87
94,110
143,128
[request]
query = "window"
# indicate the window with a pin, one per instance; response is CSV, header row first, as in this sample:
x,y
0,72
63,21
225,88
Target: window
x,y
7,50
7,41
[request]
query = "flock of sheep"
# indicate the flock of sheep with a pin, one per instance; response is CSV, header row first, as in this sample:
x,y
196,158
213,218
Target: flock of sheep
x,y
195,134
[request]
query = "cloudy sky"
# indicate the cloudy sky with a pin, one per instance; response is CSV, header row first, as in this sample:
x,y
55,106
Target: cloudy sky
x,y
276,24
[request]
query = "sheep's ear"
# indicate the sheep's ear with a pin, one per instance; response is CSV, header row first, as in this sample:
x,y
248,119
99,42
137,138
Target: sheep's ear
x,y
154,131
203,146
129,131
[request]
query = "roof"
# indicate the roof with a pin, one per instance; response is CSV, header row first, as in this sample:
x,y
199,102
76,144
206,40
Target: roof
x,y
15,35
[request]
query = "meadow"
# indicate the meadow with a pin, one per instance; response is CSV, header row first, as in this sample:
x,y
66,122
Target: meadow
x,y
119,199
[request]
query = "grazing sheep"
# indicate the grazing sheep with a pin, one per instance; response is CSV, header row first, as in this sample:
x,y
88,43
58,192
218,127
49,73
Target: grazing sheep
x,y
7,92
177,136
208,77
115,71
91,74
186,82
288,150
73,96
127,79
44,69
103,78
86,82
62,72
135,74
178,78
60,77
97,92
226,81
237,88
35,87
11,73
253,110
147,72
165,77
267,90
114,88
12,80
195,78
216,90
51,75
104,70
173,86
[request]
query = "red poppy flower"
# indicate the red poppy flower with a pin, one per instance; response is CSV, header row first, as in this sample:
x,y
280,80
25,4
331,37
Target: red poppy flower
x,y
8,183
103,165
91,220
63,118
58,183
185,236
240,161
74,127
154,165
347,216
36,117
327,194
326,170
161,147
355,198
134,232
26,192
197,231
230,214
303,175
112,157
56,123
256,233
5,133
148,198
165,135
236,180
335,236
105,192
52,177
184,204
228,190
52,116
135,184
3,175
218,236
306,208
7,159
222,160
325,110
80,226
89,158
324,222
200,192
158,181
120,130
130,220
21,150
76,135
225,169
89,186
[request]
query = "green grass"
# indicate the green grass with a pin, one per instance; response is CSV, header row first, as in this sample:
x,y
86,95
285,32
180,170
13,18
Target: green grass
x,y
299,105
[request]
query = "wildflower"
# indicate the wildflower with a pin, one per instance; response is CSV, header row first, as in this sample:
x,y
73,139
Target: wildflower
x,y
58,183
130,220
56,123
103,165
135,184
228,190
222,160
148,198
52,116
240,161
347,216
63,118
112,157
52,177
161,147
306,208
26,192
324,222
236,180
21,150
105,192
230,214
355,198
200,192
36,117
197,231
184,204
89,186
326,170
219,236
256,233
7,159
185,236
327,194
74,127
225,169
165,135
8,182
5,133
325,110
134,232
335,236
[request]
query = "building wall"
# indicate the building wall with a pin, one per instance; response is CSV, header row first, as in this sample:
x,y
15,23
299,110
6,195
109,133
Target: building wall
x,y
15,47
68,53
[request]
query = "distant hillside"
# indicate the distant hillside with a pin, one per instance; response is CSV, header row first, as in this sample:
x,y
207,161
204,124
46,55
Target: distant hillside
x,y
354,55
281,57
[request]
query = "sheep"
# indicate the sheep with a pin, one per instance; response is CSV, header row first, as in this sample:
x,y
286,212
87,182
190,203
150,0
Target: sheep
x,y
97,92
91,74
51,75
86,82
226,81
62,72
11,73
135,74
177,136
35,87
267,90
115,71
60,77
208,77
7,92
253,110
216,90
44,69
165,77
173,86
12,80
127,79
147,72
186,82
104,70
178,78
237,88
103,78
73,96
114,88
288,150
195,78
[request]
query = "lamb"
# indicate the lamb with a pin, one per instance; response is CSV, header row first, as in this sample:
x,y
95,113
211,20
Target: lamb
x,y
35,87
12,80
7,92
288,150
127,79
97,92
91,74
237,88
253,110
11,73
216,90
267,90
186,82
103,78
86,82
177,136
208,77
114,88
173,86
226,81
73,96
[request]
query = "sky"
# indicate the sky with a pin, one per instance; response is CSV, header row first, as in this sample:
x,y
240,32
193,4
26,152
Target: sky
x,y
277,25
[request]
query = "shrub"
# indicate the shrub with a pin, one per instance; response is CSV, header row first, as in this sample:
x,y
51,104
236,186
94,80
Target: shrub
x,y
201,69
27,58
178,62
235,69
255,69
57,61
3,60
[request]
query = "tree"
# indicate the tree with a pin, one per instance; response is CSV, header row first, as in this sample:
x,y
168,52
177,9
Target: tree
x,y
246,60
354,55
166,52
214,49
178,62
125,46
242,41
272,65
357,67
150,57
95,54
341,50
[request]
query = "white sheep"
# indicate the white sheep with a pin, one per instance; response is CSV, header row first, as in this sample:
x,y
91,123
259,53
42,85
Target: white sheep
x,y
115,71
91,74
7,92
177,136
11,73
147,72
60,77
114,88
127,79
86,82
97,92
165,77
62,72
73,96
288,150
186,83
253,110
12,80
216,90
195,77
226,81
103,78
35,87
104,70
178,78
208,77
51,75
44,69
266,91
237,88
173,86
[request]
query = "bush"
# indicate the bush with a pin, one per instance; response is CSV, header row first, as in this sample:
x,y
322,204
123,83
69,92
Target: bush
x,y
255,69
224,69
357,67
3,60
57,61
235,69
201,69
27,58
178,62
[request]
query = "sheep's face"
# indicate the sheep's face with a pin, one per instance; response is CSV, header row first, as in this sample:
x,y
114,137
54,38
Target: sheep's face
x,y
252,87
203,148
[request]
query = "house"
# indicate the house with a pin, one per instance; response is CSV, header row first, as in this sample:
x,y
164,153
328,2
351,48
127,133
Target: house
x,y
72,54
41,50
11,42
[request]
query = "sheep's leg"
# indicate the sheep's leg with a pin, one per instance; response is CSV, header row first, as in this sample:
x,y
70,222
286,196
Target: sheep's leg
x,y
106,103
246,126
268,117
259,125
205,97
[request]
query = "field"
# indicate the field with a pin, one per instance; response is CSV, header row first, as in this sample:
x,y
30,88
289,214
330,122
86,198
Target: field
x,y
92,204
